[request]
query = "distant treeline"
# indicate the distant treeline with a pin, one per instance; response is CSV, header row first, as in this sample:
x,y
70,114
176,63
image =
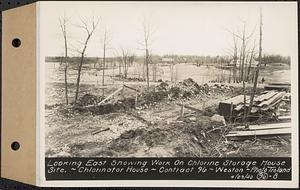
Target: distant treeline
x,y
266,59
154,59
173,59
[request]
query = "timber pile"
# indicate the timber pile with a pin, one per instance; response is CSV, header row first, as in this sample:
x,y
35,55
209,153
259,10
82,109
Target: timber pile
x,y
263,104
261,130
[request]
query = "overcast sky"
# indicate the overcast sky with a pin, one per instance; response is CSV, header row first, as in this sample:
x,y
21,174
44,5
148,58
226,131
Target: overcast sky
x,y
194,28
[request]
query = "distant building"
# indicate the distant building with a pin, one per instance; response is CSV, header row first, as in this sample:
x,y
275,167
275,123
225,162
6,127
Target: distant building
x,y
167,60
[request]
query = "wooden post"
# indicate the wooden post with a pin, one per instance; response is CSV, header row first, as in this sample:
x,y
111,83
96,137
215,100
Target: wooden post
x,y
182,110
122,92
231,110
136,101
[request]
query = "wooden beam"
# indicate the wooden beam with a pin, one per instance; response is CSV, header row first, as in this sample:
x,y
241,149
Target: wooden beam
x,y
138,117
267,132
100,130
131,88
286,117
272,99
107,98
267,126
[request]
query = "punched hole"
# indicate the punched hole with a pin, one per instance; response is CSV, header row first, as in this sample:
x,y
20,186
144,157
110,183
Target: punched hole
x,y
15,146
16,42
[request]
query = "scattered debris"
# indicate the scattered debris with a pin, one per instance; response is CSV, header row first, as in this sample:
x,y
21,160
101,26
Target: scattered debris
x,y
264,104
100,130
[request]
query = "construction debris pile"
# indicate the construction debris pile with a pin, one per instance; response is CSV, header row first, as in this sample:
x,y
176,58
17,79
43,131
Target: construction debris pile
x,y
270,114
164,92
183,90
268,105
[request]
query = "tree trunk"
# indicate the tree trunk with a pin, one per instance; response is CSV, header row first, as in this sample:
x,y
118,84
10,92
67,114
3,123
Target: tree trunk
x,y
66,71
147,68
103,69
66,85
250,62
79,75
258,67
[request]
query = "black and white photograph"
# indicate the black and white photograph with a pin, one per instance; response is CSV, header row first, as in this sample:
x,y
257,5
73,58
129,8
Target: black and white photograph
x,y
168,79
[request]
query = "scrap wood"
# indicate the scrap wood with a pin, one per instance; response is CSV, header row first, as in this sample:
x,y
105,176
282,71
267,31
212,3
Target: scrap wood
x,y
284,117
138,117
265,126
266,132
272,99
100,130
235,100
271,106
131,88
265,96
107,98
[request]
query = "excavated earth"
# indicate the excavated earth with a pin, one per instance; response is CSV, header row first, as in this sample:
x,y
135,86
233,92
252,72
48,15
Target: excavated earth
x,y
155,128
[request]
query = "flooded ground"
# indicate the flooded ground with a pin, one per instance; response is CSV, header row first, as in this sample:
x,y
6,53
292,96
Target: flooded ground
x,y
201,74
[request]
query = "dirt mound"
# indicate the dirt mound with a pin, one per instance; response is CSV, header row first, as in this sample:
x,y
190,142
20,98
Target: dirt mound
x,y
125,104
184,90
164,91
181,138
89,99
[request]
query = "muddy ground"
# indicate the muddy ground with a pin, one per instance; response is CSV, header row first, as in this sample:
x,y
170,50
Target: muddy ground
x,y
154,129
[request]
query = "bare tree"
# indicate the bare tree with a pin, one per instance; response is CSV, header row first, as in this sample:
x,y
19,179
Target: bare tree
x,y
257,68
235,57
126,59
146,43
63,26
252,54
154,67
89,32
106,41
244,42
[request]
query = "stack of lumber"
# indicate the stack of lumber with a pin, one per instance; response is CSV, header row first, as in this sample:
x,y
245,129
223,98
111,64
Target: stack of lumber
x,y
261,130
264,102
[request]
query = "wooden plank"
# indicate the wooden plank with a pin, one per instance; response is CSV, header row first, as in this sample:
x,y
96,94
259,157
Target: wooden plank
x,y
265,96
267,132
286,117
235,100
272,99
267,126
272,104
138,117
100,130
107,98
110,96
131,88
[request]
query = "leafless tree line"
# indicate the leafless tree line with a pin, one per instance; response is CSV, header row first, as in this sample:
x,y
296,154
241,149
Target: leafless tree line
x,y
125,58
246,54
